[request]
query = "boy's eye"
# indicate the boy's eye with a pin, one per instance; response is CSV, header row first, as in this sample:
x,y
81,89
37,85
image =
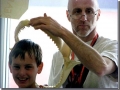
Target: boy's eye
x,y
28,67
16,67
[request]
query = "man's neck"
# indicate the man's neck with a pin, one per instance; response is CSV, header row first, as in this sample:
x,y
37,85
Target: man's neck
x,y
89,37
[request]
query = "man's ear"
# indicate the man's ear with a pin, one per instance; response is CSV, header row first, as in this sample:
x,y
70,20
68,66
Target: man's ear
x,y
40,67
98,16
10,67
67,14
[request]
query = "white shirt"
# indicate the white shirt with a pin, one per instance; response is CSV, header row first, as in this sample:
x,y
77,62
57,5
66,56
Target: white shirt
x,y
105,47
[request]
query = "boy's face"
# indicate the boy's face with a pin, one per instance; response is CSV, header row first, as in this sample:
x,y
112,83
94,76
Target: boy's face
x,y
24,71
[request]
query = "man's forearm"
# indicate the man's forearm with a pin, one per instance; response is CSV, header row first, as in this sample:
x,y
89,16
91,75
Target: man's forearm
x,y
89,57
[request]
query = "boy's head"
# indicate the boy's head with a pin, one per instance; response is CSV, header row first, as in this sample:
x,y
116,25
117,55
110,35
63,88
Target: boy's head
x,y
25,62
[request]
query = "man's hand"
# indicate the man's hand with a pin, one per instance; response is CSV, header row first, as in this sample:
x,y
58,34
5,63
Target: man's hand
x,y
46,23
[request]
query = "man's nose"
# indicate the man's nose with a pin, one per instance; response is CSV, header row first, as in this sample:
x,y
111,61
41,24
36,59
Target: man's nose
x,y
83,17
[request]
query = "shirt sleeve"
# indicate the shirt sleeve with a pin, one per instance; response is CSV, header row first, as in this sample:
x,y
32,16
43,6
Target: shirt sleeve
x,y
110,50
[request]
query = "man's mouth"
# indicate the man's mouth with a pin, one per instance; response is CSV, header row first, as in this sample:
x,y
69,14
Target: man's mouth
x,y
83,25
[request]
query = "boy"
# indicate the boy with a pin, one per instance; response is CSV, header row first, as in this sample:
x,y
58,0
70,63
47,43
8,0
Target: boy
x,y
25,62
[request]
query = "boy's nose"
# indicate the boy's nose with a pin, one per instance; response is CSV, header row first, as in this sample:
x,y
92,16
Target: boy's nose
x,y
22,71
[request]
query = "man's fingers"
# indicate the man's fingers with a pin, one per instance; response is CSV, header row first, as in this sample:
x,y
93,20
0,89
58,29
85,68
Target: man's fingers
x,y
45,15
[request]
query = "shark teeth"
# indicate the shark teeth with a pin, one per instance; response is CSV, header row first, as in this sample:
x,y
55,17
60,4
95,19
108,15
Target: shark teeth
x,y
63,48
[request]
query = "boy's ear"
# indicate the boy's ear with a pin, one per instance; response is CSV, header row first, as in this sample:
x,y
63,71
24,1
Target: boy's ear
x,y
10,67
40,67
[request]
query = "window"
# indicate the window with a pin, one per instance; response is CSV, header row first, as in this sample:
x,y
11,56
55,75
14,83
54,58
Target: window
x,y
4,52
48,47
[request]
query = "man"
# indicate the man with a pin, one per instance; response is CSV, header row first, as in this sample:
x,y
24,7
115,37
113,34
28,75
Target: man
x,y
98,55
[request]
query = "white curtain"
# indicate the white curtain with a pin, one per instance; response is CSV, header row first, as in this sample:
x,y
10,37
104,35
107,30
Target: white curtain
x,y
4,51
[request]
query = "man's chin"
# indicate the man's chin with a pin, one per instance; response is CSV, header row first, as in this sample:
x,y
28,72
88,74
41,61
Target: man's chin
x,y
82,35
